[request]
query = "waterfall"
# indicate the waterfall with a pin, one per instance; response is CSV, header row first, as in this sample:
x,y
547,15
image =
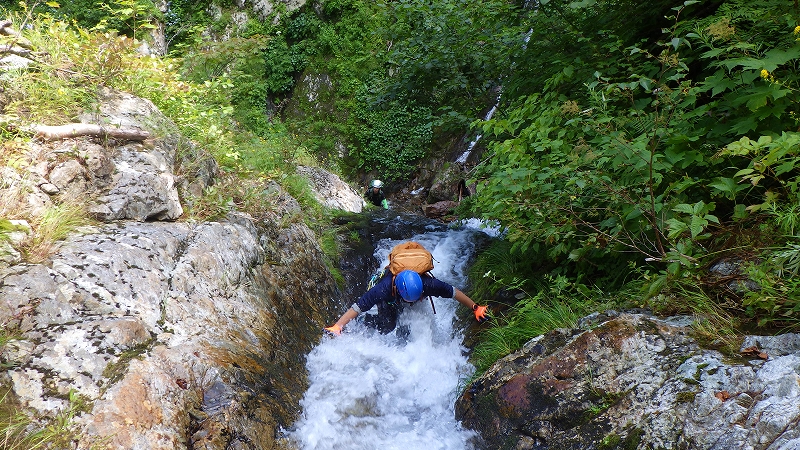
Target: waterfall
x,y
462,159
371,391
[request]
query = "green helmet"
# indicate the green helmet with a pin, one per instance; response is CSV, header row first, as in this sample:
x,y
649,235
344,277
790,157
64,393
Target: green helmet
x,y
376,184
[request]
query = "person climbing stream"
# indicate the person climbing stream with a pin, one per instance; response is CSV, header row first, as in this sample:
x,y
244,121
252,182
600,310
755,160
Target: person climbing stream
x,y
375,194
400,285
369,389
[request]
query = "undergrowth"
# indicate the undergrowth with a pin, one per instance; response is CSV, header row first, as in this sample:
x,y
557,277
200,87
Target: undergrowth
x,y
18,431
71,63
555,303
736,290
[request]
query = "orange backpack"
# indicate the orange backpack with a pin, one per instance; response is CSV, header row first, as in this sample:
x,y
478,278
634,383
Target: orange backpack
x,y
411,255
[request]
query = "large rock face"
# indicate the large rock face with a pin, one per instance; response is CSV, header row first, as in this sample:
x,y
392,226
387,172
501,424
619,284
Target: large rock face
x,y
135,180
636,382
331,191
160,335
169,330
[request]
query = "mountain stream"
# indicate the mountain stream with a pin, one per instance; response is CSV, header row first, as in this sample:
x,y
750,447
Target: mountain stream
x,y
372,391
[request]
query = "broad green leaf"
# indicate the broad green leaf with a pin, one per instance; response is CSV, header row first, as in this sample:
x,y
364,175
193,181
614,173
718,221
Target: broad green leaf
x,y
697,225
682,185
611,222
713,53
744,125
754,100
788,166
684,208
718,83
634,214
676,228
728,186
778,57
740,212
582,4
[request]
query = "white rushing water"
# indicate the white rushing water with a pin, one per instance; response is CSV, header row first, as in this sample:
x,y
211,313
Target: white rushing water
x,y
371,391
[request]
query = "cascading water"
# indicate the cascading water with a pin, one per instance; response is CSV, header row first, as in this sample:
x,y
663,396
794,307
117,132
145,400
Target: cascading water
x,y
462,159
372,391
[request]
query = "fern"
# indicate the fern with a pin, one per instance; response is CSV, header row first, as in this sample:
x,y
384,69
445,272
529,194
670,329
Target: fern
x,y
788,260
639,125
787,217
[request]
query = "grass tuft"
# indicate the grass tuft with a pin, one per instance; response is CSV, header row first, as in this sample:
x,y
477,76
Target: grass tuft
x,y
54,225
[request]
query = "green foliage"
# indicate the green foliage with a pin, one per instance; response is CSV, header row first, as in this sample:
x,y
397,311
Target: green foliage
x,y
201,108
775,303
8,334
260,62
184,22
249,81
498,269
715,325
591,36
772,166
130,17
558,306
446,53
394,140
404,71
627,166
55,224
639,157
20,432
331,248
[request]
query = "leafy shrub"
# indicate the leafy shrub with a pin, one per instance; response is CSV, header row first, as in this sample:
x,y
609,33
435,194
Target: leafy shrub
x,y
634,168
394,140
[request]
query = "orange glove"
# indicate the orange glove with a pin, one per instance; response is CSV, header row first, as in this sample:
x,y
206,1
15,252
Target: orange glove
x,y
480,313
336,330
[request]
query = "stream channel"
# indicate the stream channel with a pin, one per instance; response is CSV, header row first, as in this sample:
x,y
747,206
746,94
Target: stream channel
x,y
372,391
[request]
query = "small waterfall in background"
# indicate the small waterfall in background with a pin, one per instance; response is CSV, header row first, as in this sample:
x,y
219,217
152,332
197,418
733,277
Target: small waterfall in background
x,y
462,159
371,391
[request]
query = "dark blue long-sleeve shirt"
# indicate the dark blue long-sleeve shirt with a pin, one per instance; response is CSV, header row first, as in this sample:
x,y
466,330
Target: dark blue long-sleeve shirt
x,y
382,292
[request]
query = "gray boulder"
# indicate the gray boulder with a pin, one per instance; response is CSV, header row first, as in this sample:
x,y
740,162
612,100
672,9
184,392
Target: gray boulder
x,y
637,382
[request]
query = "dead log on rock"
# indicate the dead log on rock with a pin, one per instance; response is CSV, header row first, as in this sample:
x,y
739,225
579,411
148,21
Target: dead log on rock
x,y
52,133
19,51
6,30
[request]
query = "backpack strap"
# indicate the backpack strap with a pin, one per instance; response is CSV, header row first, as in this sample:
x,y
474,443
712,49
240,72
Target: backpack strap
x,y
433,307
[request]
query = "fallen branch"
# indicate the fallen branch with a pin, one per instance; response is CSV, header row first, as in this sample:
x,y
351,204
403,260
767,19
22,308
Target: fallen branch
x,y
52,133
19,51
6,30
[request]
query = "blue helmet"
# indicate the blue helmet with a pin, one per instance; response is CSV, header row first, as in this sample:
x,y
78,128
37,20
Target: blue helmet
x,y
409,285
